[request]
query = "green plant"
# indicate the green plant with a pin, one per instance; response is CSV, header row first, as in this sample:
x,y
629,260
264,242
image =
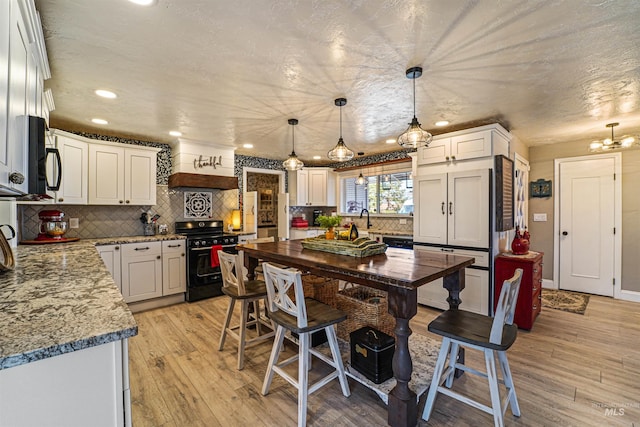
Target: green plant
x,y
329,221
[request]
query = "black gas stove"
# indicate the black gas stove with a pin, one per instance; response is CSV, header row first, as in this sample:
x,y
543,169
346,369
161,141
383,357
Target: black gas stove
x,y
204,279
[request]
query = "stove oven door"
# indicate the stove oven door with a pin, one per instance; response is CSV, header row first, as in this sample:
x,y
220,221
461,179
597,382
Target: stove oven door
x,y
203,281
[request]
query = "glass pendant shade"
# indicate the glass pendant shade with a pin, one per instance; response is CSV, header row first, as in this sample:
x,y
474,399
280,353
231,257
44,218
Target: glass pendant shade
x,y
293,163
414,136
361,180
340,153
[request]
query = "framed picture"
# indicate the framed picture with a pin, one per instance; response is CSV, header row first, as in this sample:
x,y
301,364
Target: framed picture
x,y
540,188
504,193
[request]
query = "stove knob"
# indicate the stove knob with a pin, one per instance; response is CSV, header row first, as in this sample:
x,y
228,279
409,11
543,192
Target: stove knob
x,y
196,243
226,240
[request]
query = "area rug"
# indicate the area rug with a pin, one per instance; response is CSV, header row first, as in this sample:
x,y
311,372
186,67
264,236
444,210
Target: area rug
x,y
573,302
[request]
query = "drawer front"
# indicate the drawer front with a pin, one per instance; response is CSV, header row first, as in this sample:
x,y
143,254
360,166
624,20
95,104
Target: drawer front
x,y
482,258
536,305
141,249
174,246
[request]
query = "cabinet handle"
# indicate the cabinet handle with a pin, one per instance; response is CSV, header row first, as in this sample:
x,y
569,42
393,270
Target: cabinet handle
x,y
450,208
446,250
61,199
535,270
535,306
146,248
174,246
442,207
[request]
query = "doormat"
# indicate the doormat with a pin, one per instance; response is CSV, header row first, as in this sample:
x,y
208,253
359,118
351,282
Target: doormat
x,y
573,302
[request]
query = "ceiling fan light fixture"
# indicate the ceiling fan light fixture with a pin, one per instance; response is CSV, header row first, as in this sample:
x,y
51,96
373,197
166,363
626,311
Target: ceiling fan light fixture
x,y
340,153
414,136
293,163
611,143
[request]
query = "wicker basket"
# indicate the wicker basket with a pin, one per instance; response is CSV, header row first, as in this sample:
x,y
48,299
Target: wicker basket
x,y
364,307
320,288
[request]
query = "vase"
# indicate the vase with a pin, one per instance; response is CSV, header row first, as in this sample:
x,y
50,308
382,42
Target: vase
x,y
519,245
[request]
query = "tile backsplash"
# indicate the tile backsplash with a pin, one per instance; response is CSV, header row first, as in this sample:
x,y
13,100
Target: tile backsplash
x,y
112,221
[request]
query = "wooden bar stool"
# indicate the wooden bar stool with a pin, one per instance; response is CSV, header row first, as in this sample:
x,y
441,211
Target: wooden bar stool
x,y
491,336
248,292
303,317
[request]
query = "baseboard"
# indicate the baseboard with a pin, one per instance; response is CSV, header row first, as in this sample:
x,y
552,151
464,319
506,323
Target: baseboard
x,y
632,296
136,307
548,284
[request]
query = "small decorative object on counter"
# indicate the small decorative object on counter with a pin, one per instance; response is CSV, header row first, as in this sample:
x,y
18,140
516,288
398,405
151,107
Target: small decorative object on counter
x,y
520,244
329,222
163,229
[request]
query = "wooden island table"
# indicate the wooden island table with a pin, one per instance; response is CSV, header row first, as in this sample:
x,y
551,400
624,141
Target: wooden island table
x,y
399,272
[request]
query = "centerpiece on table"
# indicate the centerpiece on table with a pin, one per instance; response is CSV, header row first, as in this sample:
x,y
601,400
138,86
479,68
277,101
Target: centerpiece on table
x,y
329,222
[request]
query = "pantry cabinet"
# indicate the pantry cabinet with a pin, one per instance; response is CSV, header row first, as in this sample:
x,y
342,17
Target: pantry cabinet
x,y
453,208
475,296
120,175
312,187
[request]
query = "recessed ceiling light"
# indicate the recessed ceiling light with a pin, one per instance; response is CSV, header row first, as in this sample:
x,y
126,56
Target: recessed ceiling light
x,y
106,94
100,121
247,145
317,157
175,133
442,123
143,2
390,141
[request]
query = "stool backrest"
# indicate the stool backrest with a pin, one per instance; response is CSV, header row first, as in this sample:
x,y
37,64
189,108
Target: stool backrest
x,y
279,282
506,306
230,265
262,240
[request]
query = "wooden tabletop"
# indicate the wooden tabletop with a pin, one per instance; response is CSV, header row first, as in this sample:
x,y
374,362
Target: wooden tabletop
x,y
397,267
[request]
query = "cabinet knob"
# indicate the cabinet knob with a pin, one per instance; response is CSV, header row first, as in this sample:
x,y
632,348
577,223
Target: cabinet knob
x,y
182,254
127,201
120,201
61,199
158,257
117,248
565,233
453,157
447,158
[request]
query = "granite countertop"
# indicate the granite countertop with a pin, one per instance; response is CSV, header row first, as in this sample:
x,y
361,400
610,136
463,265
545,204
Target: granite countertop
x,y
60,298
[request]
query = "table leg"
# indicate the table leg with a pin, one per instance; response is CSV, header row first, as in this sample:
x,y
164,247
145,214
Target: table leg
x,y
250,263
454,283
403,407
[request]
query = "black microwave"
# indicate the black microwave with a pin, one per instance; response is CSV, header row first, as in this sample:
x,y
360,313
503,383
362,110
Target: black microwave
x,y
38,180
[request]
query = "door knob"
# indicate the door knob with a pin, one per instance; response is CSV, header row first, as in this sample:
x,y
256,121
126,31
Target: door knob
x,y
564,233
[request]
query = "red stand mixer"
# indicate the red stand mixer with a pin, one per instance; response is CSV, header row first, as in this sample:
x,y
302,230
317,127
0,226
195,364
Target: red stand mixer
x,y
52,225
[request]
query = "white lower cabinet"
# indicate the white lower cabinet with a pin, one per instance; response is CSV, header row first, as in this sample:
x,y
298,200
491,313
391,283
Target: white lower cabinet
x,y
296,234
246,237
475,295
147,270
110,255
141,271
174,267
88,387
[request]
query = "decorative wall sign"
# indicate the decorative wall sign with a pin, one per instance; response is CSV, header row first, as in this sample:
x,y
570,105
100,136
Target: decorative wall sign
x,y
204,162
197,204
540,188
504,193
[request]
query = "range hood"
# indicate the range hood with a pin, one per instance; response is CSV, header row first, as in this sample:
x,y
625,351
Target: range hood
x,y
196,180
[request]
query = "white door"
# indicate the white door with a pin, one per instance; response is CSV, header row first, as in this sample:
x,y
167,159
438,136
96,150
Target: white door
x,y
430,201
587,221
468,208
249,212
283,216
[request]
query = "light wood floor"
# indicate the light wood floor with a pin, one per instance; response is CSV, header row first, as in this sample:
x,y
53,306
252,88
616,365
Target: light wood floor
x,y
570,370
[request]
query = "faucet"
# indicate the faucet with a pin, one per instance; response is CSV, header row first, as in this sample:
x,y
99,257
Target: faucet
x,y
368,221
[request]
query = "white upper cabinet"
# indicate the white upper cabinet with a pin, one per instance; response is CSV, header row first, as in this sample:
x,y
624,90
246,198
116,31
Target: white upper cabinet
x,y
74,156
312,187
467,144
119,175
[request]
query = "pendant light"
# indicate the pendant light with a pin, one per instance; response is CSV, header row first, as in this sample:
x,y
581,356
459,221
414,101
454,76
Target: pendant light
x,y
361,180
340,152
611,143
293,163
414,136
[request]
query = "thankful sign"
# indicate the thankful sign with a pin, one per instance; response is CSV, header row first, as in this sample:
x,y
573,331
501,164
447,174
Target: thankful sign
x,y
203,162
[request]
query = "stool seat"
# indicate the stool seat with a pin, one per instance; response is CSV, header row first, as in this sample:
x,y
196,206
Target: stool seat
x,y
472,328
252,289
319,316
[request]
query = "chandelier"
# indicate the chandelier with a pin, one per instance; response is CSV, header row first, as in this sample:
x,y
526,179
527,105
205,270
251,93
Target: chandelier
x,y
612,143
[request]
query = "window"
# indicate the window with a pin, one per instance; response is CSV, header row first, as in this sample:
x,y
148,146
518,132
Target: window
x,y
387,193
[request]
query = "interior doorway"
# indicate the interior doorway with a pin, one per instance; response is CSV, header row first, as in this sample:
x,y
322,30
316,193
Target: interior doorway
x,y
587,243
268,186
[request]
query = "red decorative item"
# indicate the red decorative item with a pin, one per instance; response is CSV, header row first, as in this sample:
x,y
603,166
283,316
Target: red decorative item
x,y
520,243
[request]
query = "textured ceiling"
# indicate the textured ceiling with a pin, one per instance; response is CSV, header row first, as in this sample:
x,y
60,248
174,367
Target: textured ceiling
x,y
233,72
